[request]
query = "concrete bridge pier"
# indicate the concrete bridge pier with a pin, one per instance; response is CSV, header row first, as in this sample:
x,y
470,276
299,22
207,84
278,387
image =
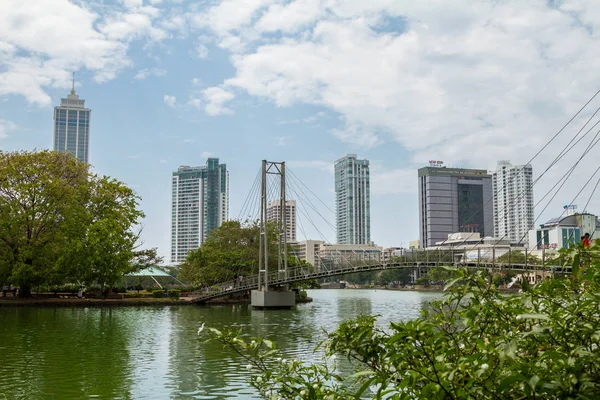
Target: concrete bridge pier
x,y
273,299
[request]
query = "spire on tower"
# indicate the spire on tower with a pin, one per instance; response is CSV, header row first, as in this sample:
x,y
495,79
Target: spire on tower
x,y
73,87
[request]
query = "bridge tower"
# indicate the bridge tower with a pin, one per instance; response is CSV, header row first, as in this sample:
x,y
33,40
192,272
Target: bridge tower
x,y
268,295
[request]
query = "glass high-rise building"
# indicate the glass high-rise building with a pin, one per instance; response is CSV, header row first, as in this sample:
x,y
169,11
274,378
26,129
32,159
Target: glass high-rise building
x,y
513,201
352,200
72,127
200,203
454,200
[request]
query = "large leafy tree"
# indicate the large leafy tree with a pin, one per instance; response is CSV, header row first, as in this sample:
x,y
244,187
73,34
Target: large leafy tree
x,y
229,251
59,222
40,194
102,242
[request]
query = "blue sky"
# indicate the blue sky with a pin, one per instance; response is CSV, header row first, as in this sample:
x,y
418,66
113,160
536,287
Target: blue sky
x,y
171,82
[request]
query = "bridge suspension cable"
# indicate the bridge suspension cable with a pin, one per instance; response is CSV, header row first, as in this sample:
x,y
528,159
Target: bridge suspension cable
x,y
562,181
565,150
252,195
569,146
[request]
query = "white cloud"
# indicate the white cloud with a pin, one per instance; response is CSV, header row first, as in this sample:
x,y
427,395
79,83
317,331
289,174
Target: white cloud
x,y
195,102
290,17
206,154
196,81
147,72
42,44
201,51
435,77
133,156
356,135
133,3
230,15
5,128
163,161
217,97
170,100
393,181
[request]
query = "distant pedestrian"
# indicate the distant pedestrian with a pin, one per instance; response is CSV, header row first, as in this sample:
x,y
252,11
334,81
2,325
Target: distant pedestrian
x,y
585,241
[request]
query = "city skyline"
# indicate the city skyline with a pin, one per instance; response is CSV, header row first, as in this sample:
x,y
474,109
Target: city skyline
x,y
400,83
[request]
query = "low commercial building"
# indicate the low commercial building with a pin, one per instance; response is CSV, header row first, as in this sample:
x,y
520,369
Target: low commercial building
x,y
316,252
389,252
473,246
351,252
563,231
308,250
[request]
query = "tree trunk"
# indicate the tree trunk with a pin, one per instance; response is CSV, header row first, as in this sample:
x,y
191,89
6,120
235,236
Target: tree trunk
x,y
24,292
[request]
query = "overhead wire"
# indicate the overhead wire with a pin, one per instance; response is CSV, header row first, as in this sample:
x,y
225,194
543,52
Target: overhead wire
x,y
563,152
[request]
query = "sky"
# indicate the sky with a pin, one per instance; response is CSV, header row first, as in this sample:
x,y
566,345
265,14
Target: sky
x,y
399,82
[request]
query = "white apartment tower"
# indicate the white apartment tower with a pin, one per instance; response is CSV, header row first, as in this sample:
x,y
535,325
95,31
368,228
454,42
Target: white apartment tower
x,y
513,201
274,212
200,203
352,200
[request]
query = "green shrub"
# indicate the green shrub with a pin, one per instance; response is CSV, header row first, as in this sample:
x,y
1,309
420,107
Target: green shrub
x,y
302,295
157,294
174,294
120,289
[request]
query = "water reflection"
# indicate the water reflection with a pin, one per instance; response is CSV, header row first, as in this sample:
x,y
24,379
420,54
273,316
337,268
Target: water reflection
x,y
58,353
156,353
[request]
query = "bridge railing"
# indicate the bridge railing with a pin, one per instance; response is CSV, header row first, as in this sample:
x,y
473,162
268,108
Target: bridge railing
x,y
417,258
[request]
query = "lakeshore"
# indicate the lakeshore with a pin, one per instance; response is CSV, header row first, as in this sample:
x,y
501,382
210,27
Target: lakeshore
x,y
123,302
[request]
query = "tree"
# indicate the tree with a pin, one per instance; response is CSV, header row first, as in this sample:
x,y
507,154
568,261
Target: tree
x,y
40,194
401,275
474,343
60,223
518,257
229,251
102,242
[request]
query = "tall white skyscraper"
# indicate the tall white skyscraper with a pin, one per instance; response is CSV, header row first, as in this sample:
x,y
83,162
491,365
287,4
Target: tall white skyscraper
x,y
273,214
513,201
352,200
72,126
200,203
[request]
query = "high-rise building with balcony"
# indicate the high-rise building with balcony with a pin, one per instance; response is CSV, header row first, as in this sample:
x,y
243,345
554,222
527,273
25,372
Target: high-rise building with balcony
x,y
513,201
454,200
72,126
274,211
200,203
352,200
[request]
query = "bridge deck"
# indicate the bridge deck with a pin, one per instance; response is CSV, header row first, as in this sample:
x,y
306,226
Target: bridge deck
x,y
302,274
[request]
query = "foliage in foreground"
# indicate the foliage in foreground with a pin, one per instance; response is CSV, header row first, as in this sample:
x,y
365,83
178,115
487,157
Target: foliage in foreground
x,y
474,343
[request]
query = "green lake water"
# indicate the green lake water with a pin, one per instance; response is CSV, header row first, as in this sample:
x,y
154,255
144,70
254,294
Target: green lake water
x,y
156,353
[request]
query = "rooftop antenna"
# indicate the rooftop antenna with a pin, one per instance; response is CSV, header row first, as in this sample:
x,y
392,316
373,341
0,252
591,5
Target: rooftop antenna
x,y
73,87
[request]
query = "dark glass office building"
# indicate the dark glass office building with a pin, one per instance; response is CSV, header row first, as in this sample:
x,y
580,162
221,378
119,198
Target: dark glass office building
x,y
454,200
